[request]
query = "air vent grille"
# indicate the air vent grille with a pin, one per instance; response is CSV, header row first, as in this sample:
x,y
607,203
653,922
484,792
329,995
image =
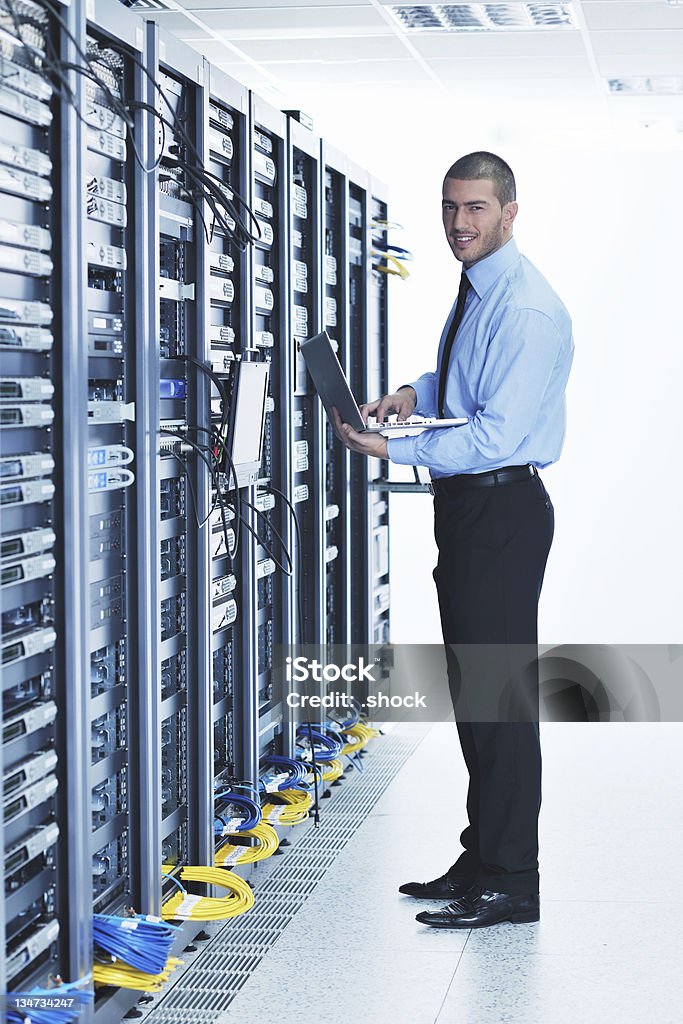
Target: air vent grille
x,y
201,994
657,85
149,5
495,17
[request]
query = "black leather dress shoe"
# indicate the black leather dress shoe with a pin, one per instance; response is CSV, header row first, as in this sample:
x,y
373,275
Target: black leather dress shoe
x,y
447,887
481,907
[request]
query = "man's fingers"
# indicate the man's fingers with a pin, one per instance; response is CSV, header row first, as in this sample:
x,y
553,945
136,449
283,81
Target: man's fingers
x,y
368,409
384,408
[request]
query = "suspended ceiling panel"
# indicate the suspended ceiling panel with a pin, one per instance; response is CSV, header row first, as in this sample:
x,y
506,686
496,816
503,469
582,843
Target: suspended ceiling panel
x,y
504,69
342,49
614,16
294,44
504,44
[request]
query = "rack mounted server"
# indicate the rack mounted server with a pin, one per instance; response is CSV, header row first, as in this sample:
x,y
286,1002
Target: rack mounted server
x,y
162,229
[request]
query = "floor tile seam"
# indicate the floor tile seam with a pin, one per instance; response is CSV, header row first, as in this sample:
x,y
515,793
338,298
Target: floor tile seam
x,y
452,979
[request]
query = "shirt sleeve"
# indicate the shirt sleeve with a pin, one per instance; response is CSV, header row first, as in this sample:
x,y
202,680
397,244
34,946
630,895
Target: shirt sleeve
x,y
425,390
521,356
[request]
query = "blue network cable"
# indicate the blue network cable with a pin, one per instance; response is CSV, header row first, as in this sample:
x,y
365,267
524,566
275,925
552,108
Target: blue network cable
x,y
244,803
348,723
140,942
326,741
297,772
396,250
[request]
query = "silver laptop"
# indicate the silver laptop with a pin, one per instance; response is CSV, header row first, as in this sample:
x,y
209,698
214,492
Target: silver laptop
x,y
333,388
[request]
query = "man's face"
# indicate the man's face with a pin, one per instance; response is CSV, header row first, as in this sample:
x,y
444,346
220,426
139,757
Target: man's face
x,y
474,222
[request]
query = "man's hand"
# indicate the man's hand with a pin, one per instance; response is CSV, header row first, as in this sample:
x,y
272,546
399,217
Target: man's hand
x,y
402,402
374,445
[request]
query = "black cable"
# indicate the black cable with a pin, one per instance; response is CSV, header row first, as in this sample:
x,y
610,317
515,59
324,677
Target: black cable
x,y
199,169
200,452
58,69
315,777
212,195
194,173
276,490
221,391
264,515
287,572
231,554
265,547
219,442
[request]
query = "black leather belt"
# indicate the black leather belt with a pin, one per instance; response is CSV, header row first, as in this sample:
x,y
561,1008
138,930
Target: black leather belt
x,y
463,481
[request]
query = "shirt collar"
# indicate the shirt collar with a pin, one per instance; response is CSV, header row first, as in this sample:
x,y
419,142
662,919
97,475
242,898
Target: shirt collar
x,y
486,272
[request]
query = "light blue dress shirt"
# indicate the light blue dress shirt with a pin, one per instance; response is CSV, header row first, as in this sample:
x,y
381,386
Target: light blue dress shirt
x,y
508,370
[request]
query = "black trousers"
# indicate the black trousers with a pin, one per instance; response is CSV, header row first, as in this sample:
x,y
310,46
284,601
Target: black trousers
x,y
493,546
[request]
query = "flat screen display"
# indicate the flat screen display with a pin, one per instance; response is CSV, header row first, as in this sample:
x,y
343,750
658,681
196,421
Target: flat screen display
x,y
249,410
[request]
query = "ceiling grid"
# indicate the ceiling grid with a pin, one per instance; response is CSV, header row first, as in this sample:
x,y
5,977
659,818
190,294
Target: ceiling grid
x,y
627,53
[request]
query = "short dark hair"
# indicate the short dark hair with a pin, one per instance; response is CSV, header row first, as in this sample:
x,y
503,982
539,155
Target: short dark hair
x,y
476,166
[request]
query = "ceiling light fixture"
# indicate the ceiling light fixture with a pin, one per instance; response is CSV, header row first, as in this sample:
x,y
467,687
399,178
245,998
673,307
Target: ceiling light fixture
x,y
488,17
655,85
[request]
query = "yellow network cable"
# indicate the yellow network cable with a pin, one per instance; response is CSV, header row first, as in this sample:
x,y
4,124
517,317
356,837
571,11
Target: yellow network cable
x,y
187,907
122,975
268,841
387,224
332,771
299,803
361,735
399,271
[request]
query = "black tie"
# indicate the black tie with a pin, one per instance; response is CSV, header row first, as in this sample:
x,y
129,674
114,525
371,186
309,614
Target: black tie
x,y
450,338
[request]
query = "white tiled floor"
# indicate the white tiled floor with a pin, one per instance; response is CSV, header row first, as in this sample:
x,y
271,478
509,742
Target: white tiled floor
x,y
609,946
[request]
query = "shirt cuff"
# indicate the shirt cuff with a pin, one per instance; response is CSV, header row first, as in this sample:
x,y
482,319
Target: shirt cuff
x,y
402,450
424,390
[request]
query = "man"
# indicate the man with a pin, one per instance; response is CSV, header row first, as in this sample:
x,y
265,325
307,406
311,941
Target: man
x,y
503,362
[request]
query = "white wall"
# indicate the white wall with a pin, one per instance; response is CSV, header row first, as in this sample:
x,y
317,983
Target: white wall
x,y
601,216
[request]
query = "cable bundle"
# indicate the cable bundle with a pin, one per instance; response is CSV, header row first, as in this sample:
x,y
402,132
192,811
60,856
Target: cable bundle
x,y
295,775
360,734
139,947
268,843
294,807
142,942
390,262
345,723
121,975
201,185
222,827
394,256
332,770
324,741
187,907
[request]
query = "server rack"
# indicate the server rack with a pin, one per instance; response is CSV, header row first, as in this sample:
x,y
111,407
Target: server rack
x,y
335,320
227,156
37,604
377,383
358,277
135,650
121,692
303,171
274,608
111,198
187,616
368,308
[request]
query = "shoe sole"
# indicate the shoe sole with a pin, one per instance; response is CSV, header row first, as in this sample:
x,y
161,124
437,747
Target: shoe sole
x,y
432,899
530,918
